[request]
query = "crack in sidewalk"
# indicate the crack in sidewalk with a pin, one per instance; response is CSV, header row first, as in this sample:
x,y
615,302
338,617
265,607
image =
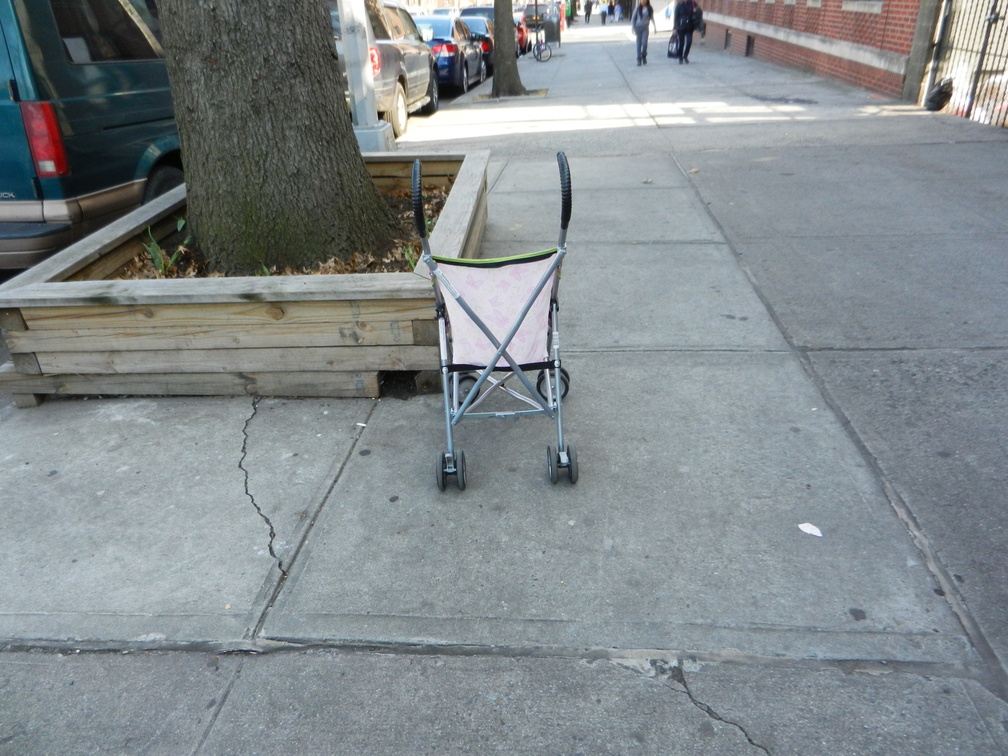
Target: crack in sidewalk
x,y
248,493
674,678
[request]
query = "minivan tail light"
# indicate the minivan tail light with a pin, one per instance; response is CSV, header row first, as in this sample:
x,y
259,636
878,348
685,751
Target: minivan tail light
x,y
375,60
45,139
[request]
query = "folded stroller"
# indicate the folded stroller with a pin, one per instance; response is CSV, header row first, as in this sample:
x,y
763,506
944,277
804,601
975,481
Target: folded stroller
x,y
500,337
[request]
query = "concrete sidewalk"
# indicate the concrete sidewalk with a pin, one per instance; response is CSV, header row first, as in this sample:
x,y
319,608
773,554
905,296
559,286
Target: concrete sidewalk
x,y
757,338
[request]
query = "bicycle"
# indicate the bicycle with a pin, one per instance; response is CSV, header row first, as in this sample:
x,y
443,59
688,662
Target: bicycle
x,y
540,49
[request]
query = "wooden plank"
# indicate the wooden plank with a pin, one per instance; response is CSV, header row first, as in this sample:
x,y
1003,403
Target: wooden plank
x,y
93,246
306,359
270,289
460,227
12,320
401,165
110,263
425,332
396,184
13,324
360,333
321,384
27,364
27,401
364,313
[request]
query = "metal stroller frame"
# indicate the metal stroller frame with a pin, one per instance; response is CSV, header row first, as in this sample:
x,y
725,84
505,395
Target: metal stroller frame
x,y
462,382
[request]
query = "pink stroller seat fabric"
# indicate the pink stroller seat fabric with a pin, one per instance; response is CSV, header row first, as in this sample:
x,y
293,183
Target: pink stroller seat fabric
x,y
497,291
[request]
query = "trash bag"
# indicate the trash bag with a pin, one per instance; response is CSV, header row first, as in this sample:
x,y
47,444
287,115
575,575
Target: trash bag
x,y
939,95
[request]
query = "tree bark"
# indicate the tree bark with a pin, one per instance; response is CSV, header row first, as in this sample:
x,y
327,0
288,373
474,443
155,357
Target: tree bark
x,y
274,172
506,80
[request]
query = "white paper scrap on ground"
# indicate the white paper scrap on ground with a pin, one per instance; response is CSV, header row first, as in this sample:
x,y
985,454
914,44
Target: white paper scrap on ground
x,y
808,527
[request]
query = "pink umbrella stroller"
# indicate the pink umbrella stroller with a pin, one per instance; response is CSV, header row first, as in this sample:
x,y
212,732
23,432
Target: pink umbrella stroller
x,y
500,337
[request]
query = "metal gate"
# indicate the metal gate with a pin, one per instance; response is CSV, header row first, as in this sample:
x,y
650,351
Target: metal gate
x,y
970,48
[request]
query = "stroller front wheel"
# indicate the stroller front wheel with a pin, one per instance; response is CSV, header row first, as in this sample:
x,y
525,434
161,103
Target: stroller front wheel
x,y
572,468
460,475
441,471
551,465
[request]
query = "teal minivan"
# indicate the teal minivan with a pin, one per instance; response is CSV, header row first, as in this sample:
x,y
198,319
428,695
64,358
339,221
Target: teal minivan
x,y
87,131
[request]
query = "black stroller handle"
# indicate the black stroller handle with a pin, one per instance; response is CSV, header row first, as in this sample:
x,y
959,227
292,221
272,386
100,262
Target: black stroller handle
x,y
565,190
418,213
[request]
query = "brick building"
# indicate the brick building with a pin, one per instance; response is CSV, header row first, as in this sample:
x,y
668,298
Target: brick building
x,y
882,45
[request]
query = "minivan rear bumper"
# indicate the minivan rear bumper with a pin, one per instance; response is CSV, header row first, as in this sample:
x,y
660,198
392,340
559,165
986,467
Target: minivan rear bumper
x,y
24,244
32,231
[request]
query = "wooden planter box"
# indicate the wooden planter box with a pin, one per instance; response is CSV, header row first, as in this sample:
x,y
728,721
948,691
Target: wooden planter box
x,y
72,332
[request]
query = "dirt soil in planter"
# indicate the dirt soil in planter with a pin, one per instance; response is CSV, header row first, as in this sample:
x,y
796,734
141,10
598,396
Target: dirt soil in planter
x,y
181,258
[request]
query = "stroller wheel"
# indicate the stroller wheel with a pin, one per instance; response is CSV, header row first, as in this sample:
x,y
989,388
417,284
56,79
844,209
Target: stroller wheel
x,y
551,465
466,384
460,477
441,471
572,467
564,384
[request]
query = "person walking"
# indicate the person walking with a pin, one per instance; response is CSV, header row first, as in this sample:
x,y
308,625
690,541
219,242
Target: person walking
x,y
685,24
641,22
587,9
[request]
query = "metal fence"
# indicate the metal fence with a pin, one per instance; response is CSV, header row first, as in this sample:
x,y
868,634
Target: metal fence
x,y
971,49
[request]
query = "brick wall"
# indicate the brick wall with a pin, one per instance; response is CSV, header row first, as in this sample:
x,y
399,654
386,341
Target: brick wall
x,y
866,30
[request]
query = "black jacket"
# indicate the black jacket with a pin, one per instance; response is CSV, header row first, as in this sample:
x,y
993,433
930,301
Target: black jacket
x,y
683,16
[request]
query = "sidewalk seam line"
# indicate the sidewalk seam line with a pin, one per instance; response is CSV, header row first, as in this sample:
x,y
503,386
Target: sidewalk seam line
x,y
296,551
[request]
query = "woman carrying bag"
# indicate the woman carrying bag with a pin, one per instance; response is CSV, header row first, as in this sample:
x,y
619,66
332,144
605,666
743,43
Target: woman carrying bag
x,y
641,22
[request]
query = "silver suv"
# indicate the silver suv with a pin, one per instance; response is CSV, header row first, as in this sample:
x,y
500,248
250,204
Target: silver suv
x,y
405,74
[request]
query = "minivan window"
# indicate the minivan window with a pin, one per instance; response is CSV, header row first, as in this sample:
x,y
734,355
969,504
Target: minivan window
x,y
395,27
377,21
95,31
411,32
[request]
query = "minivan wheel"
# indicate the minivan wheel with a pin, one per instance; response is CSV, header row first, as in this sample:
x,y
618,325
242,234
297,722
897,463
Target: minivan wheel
x,y
397,116
162,179
434,93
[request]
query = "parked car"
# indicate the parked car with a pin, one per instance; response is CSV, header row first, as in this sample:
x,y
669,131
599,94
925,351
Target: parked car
x,y
471,15
483,32
544,12
473,11
405,74
87,131
459,57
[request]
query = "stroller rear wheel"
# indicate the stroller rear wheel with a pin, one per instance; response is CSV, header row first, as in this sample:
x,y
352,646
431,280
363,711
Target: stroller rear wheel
x,y
564,383
466,383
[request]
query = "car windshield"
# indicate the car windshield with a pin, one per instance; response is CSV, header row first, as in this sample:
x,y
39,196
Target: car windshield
x,y
434,27
477,24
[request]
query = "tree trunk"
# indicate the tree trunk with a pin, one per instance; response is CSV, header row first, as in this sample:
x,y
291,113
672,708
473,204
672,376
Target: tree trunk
x,y
274,172
506,81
